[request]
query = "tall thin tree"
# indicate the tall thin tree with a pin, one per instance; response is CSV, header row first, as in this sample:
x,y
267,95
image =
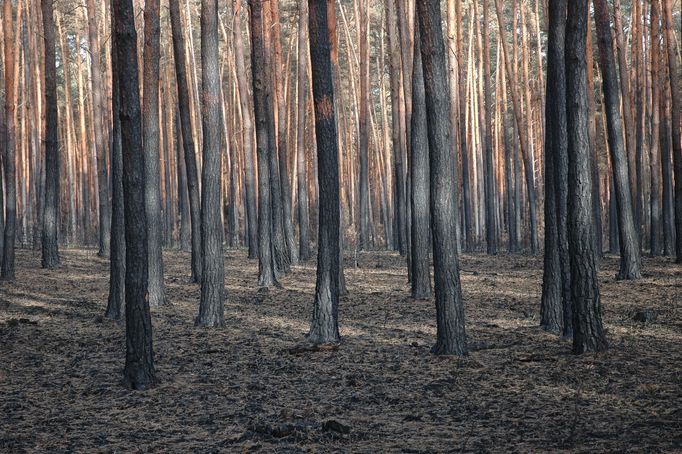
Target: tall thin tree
x,y
50,251
152,132
629,242
266,264
324,328
451,336
211,307
588,331
139,366
184,95
9,158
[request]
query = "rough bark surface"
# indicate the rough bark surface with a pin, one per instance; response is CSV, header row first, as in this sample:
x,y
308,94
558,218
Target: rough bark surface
x,y
50,250
324,327
451,336
588,331
211,305
139,366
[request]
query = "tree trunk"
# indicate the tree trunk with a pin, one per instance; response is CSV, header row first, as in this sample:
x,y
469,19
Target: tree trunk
x,y
419,180
266,265
489,177
629,245
324,328
139,367
654,153
98,127
553,283
303,209
211,310
187,137
117,257
50,251
588,332
521,129
151,131
451,337
9,158
676,111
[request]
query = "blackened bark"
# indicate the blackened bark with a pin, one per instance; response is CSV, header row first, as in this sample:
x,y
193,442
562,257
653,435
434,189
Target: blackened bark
x,y
552,302
588,332
629,242
419,180
151,131
50,251
139,368
117,256
451,336
211,306
324,328
266,265
187,138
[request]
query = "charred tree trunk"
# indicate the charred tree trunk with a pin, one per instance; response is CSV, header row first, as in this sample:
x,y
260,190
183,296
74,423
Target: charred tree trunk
x,y
451,337
588,332
139,367
50,251
556,271
629,243
151,131
211,306
187,137
419,179
266,264
117,256
324,328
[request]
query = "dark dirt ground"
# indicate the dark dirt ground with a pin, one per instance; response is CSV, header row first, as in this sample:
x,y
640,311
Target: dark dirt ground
x,y
238,389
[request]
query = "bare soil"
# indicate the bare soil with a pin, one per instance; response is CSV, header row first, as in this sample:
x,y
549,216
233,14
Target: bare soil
x,y
239,389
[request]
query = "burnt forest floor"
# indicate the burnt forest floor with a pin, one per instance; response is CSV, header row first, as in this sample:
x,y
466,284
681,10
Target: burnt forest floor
x,y
239,389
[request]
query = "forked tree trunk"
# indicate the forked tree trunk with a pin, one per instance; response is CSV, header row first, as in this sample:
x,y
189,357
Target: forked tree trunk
x,y
588,331
184,95
324,328
451,336
139,366
629,245
266,264
50,251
